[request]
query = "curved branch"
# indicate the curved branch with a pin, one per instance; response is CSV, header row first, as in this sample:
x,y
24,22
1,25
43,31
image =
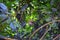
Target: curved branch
x,y
41,27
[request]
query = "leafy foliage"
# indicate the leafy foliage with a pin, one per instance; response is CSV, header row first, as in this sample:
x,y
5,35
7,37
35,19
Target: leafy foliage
x,y
28,15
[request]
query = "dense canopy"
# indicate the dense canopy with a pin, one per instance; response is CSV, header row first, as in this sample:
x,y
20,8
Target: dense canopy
x,y
30,19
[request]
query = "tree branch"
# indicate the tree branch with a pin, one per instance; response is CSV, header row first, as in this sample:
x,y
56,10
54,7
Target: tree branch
x,y
44,34
41,28
56,37
5,38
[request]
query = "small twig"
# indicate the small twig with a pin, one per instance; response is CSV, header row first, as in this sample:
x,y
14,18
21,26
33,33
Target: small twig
x,y
44,34
56,37
40,28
